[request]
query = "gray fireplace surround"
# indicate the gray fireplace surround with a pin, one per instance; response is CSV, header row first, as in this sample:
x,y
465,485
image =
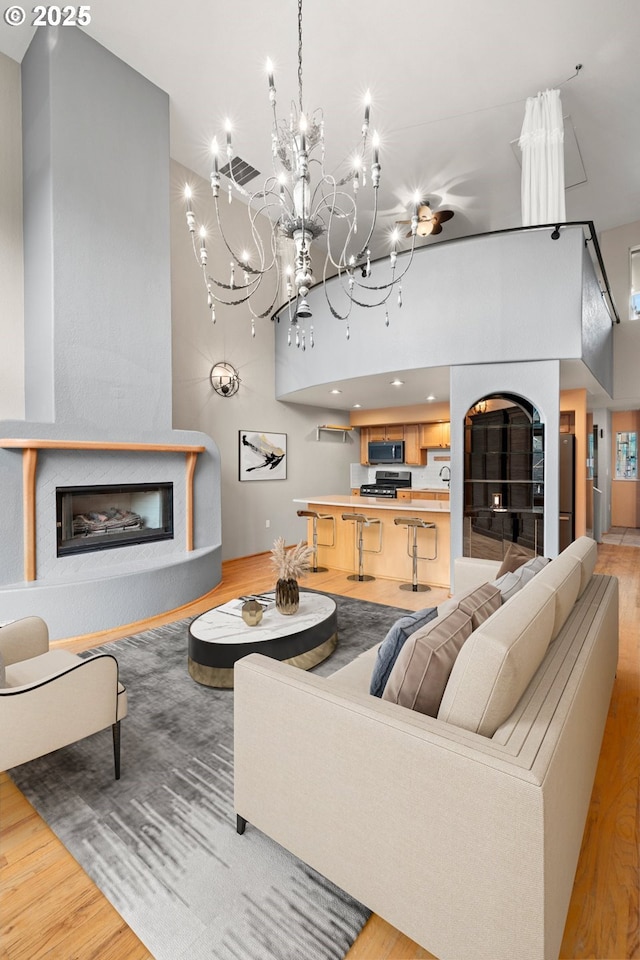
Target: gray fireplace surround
x,y
97,346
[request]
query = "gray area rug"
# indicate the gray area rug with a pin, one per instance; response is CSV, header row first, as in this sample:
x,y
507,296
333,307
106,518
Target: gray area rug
x,y
161,843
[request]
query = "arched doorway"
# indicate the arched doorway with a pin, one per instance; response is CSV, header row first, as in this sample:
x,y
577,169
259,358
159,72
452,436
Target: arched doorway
x,y
503,477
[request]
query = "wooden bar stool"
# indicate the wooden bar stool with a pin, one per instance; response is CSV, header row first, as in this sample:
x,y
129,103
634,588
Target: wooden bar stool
x,y
413,524
361,522
315,516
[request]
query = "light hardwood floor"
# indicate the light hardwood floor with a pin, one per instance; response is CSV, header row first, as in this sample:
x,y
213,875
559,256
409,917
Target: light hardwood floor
x,y
50,909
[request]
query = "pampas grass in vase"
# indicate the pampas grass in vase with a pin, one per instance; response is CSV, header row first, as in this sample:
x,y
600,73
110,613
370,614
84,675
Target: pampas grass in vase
x,y
289,565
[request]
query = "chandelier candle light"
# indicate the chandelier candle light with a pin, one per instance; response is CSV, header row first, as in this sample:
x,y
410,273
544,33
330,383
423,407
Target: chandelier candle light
x,y
301,211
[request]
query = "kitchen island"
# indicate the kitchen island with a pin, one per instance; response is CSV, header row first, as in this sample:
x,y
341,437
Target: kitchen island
x,y
393,561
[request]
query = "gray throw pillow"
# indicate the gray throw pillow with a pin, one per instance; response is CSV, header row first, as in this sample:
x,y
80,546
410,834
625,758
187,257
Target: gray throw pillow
x,y
509,584
531,567
392,645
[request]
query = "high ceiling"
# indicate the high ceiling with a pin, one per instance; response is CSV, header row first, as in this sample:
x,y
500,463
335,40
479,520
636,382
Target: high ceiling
x,y
448,82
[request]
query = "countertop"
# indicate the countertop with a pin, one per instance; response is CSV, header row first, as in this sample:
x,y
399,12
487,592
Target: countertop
x,y
443,489
363,504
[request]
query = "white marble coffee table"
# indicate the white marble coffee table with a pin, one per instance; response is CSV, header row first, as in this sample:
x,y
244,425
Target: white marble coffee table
x,y
217,639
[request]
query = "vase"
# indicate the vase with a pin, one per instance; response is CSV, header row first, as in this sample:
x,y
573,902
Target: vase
x,y
287,597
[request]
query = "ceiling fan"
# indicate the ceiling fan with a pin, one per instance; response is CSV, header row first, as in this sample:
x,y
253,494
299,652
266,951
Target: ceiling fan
x,y
429,223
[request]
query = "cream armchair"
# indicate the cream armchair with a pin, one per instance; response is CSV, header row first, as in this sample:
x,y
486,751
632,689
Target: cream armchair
x,y
51,698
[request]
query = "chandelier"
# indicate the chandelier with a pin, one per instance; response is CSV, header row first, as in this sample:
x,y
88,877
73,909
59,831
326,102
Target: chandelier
x,y
303,202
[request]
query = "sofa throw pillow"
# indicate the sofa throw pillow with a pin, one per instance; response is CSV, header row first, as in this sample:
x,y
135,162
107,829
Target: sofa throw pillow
x,y
509,584
496,664
531,567
513,558
480,603
392,645
421,672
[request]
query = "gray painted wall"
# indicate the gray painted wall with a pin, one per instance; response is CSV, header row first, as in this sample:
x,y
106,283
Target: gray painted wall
x,y
11,259
314,467
97,267
98,340
505,298
615,245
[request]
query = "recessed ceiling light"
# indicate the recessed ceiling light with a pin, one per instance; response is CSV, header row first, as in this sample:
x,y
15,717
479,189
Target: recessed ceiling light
x,y
396,382
335,391
431,397
357,405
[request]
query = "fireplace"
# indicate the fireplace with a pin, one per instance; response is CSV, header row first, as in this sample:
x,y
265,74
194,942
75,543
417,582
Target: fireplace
x,y
114,515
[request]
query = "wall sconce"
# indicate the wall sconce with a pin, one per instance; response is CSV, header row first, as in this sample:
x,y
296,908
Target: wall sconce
x,y
224,379
496,503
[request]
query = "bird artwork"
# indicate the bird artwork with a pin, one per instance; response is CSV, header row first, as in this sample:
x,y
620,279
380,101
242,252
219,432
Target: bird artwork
x,y
262,452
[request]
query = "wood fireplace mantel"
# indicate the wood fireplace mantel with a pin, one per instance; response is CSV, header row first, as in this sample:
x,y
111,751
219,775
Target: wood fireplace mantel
x,y
30,449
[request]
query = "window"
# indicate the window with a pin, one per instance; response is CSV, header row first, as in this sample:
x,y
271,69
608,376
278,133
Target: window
x,y
634,276
627,456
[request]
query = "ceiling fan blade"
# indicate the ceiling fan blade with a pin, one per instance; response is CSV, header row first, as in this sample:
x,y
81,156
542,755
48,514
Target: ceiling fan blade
x,y
426,228
403,221
443,215
424,212
410,234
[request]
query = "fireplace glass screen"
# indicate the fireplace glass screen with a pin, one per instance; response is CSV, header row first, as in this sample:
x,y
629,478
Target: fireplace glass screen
x,y
101,517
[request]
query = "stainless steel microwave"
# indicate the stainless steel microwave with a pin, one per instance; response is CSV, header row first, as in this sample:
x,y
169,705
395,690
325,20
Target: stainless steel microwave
x,y
386,451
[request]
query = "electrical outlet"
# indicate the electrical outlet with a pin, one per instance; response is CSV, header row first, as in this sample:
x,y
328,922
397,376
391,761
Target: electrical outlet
x,y
267,523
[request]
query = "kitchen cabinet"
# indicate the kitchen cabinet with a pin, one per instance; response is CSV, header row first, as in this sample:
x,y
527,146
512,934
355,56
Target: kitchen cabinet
x,y
393,431
423,495
435,434
413,434
413,454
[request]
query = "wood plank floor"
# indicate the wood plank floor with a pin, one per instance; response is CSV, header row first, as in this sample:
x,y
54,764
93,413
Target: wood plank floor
x,y
50,909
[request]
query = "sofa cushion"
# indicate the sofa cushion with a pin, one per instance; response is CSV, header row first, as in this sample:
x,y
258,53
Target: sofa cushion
x,y
421,671
513,580
586,551
513,558
509,584
392,645
562,578
496,664
480,603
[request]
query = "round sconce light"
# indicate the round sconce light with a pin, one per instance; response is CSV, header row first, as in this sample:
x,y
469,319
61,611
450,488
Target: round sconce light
x,y
224,379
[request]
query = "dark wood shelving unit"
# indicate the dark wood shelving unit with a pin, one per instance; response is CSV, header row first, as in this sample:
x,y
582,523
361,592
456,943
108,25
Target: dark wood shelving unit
x,y
504,477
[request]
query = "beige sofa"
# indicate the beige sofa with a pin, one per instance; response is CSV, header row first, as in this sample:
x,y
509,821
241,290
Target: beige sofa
x,y
466,841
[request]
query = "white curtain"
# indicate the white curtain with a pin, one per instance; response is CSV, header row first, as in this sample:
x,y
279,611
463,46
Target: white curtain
x,y
542,146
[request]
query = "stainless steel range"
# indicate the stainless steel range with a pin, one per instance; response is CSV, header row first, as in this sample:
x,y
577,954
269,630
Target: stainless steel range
x,y
387,483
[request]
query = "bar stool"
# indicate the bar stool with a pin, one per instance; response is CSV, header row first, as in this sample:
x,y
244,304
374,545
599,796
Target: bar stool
x,y
315,516
413,524
361,522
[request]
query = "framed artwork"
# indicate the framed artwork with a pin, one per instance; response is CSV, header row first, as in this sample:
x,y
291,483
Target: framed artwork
x,y
263,456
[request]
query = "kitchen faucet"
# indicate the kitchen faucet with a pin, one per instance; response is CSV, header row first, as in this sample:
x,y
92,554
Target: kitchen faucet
x,y
446,479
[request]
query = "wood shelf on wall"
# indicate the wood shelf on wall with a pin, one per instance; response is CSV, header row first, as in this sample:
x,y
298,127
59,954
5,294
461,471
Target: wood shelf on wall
x,y
30,447
334,428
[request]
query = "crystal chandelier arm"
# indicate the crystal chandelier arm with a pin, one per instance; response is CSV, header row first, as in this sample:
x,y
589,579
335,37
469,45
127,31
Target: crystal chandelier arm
x,y
395,279
252,285
238,260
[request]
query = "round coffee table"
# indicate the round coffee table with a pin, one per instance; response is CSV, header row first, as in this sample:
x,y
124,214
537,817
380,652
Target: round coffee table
x,y
218,638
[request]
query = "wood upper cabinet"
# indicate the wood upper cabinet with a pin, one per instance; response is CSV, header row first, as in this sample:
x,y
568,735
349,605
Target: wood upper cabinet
x,y
392,431
413,454
417,438
435,434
